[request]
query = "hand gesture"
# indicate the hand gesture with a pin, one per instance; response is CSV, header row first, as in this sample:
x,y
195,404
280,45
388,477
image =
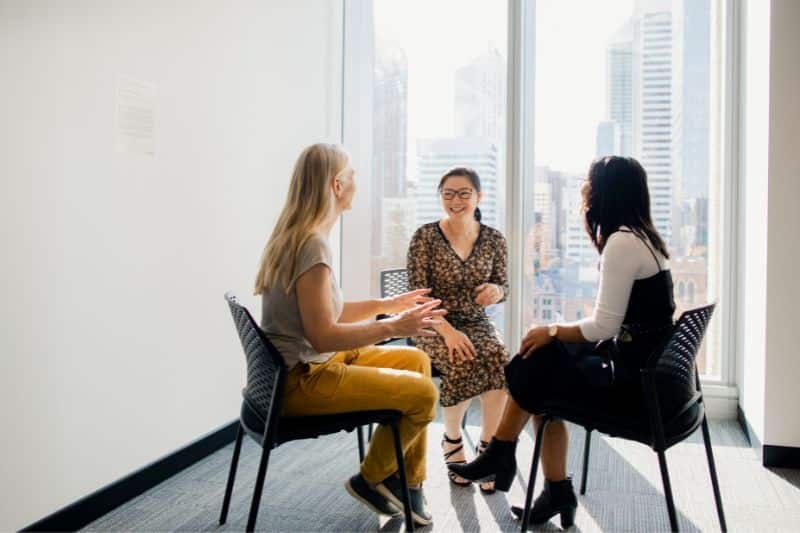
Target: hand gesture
x,y
487,294
407,300
535,338
459,346
418,320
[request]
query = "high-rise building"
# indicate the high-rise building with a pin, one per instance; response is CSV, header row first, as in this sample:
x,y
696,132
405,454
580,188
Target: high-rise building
x,y
577,247
609,138
619,92
390,132
480,98
436,156
691,95
652,95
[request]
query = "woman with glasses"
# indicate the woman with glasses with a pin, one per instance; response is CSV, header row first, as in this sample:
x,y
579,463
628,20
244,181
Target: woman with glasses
x,y
464,264
562,364
327,343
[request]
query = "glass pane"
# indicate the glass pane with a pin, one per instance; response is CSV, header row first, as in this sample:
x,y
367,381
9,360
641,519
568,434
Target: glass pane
x,y
438,101
626,78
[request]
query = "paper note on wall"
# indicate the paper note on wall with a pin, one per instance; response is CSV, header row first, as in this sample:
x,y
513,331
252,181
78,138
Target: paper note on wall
x,y
134,116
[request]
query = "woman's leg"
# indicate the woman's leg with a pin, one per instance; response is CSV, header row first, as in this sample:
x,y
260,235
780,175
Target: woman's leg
x,y
453,415
513,421
555,445
493,403
374,377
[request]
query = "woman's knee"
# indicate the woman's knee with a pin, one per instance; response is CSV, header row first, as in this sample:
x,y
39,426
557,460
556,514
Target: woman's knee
x,y
417,360
426,397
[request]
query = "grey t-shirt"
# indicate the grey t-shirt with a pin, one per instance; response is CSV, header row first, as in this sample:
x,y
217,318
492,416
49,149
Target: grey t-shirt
x,y
280,315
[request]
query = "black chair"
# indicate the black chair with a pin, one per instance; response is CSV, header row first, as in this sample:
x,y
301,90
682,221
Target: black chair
x,y
266,374
673,410
394,281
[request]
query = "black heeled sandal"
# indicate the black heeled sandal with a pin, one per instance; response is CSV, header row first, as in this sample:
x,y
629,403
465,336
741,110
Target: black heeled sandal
x,y
479,449
497,462
454,478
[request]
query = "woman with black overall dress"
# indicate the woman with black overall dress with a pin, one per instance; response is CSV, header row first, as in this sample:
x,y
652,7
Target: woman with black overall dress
x,y
558,364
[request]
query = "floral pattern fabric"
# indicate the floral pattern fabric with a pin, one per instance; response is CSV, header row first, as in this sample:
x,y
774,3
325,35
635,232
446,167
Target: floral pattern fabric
x,y
432,262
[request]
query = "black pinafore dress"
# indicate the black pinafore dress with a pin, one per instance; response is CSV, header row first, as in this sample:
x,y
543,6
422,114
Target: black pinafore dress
x,y
552,376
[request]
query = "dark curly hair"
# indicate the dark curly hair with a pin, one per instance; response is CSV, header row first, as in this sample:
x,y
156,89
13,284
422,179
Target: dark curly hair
x,y
615,194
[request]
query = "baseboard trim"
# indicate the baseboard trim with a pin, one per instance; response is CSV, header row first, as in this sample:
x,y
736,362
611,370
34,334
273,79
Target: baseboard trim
x,y
771,456
780,456
752,438
90,508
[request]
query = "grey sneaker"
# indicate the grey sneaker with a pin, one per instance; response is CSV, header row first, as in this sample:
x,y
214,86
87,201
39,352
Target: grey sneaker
x,y
359,489
390,488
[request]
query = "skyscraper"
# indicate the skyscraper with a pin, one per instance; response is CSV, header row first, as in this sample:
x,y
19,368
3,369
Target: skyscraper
x,y
609,138
390,132
480,97
619,93
691,94
652,94
436,156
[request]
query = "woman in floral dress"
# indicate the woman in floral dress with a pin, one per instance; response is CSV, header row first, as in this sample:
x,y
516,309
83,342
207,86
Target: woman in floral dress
x,y
464,264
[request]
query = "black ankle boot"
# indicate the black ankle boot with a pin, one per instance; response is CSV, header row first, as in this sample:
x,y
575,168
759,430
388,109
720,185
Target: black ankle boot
x,y
557,497
498,461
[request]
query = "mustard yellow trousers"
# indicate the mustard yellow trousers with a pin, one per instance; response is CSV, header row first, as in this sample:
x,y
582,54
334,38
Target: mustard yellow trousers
x,y
373,377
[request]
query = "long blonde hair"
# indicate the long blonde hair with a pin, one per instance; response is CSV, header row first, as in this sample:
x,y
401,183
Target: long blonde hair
x,y
309,203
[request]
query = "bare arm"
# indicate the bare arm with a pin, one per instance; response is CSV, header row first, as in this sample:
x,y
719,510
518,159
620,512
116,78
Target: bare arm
x,y
495,290
327,334
361,310
366,309
539,336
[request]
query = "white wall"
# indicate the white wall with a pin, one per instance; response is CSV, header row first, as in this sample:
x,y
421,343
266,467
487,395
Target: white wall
x,y
117,347
770,368
754,170
782,400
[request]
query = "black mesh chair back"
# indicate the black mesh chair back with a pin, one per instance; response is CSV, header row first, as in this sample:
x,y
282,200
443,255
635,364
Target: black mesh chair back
x,y
265,370
394,282
674,370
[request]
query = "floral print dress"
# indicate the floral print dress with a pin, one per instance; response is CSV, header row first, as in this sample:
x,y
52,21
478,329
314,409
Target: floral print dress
x,y
432,262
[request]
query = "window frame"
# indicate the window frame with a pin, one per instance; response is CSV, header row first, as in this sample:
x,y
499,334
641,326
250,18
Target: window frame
x,y
723,272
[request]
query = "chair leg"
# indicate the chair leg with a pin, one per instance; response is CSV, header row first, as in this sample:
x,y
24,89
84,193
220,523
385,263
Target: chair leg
x,y
537,451
231,476
586,446
401,469
714,481
262,472
369,433
360,434
662,463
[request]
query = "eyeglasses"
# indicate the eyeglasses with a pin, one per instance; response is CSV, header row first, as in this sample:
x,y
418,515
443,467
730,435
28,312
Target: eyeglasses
x,y
464,194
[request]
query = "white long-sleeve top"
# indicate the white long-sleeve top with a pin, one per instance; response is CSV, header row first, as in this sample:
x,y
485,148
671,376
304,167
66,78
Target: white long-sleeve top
x,y
625,259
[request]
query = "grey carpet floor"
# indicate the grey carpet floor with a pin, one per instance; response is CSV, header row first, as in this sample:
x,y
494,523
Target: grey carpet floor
x,y
304,490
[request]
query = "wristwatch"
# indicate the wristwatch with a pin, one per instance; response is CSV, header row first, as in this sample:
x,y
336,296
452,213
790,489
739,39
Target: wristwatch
x,y
553,331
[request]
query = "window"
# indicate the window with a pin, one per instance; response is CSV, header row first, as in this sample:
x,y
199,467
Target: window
x,y
625,78
628,77
437,99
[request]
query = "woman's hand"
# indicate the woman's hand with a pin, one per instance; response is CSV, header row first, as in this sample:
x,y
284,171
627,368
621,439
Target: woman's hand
x,y
487,294
407,300
535,338
458,345
418,320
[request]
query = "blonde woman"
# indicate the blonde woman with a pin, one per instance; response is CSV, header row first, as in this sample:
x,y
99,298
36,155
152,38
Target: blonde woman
x,y
326,342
